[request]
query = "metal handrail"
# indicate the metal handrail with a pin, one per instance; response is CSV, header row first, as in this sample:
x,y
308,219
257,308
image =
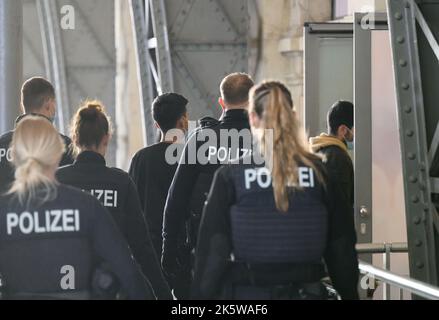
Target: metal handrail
x,y
414,286
375,248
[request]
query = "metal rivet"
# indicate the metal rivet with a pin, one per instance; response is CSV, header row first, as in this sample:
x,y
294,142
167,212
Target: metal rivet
x,y
419,265
415,199
422,166
400,39
403,63
412,156
407,109
418,243
426,207
398,16
422,187
405,86
416,220
413,179
407,5
410,133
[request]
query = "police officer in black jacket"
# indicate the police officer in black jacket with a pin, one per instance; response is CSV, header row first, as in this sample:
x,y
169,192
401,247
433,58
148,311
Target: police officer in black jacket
x,y
268,227
53,238
37,98
113,187
203,155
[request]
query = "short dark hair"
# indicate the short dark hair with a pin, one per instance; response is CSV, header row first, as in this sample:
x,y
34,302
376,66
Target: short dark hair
x,y
341,113
167,109
235,88
35,93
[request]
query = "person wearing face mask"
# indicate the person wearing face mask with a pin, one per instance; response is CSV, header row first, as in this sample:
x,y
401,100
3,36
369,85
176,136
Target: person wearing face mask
x,y
37,99
335,146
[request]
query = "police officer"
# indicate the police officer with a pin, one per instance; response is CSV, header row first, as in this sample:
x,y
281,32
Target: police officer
x,y
267,227
91,132
37,98
53,237
203,154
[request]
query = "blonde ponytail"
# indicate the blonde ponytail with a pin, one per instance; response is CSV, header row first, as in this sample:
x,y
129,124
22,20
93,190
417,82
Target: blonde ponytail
x,y
272,102
36,149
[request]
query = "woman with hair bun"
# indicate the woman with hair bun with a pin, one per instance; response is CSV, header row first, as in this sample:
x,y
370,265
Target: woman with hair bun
x,y
269,230
91,133
52,235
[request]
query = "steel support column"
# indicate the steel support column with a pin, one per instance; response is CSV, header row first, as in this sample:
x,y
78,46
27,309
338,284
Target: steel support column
x,y
11,61
163,50
54,58
416,82
143,65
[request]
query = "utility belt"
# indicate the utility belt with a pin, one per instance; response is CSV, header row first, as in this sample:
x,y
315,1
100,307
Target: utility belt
x,y
273,274
277,281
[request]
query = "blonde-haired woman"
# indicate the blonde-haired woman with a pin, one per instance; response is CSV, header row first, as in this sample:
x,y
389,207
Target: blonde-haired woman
x,y
53,236
267,229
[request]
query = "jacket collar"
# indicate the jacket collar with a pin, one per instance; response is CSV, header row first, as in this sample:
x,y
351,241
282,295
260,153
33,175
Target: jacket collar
x,y
90,157
30,114
325,140
235,115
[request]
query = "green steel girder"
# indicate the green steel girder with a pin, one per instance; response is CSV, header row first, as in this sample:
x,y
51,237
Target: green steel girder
x,y
416,76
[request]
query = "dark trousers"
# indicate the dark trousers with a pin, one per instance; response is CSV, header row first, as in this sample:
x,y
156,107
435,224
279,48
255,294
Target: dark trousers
x,y
309,291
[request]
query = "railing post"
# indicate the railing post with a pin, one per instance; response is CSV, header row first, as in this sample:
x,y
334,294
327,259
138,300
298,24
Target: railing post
x,y
386,262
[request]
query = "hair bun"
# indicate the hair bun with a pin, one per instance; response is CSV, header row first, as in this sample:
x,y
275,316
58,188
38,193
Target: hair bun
x,y
90,112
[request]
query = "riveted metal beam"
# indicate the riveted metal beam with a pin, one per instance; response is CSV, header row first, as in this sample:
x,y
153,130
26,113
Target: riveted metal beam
x,y
406,48
191,81
182,16
140,29
186,46
163,51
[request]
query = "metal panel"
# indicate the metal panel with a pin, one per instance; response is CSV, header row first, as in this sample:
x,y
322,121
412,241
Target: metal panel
x,y
11,60
187,47
317,103
90,56
363,130
416,80
208,40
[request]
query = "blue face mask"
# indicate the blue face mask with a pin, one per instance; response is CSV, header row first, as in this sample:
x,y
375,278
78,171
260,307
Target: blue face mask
x,y
350,144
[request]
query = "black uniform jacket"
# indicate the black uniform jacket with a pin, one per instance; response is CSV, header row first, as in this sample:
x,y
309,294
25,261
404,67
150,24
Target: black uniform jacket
x,y
6,168
42,243
193,179
153,175
215,242
339,166
116,191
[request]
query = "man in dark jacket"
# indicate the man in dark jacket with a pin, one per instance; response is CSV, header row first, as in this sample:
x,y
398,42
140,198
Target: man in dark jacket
x,y
37,98
203,155
335,146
